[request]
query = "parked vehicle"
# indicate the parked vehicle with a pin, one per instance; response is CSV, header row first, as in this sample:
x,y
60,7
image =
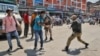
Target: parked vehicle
x,y
58,21
4,4
91,21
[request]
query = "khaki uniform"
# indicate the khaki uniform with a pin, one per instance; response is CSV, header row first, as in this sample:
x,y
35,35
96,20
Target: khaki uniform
x,y
75,35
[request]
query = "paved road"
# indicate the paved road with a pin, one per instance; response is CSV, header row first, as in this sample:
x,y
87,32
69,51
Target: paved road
x,y
91,34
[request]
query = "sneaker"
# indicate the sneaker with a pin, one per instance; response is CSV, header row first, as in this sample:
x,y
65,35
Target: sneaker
x,y
20,46
86,45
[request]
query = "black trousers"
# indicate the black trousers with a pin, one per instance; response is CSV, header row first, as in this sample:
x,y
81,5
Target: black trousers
x,y
26,28
32,30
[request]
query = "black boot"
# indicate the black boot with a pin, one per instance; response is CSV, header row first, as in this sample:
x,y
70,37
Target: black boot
x,y
20,46
66,48
86,45
10,49
51,38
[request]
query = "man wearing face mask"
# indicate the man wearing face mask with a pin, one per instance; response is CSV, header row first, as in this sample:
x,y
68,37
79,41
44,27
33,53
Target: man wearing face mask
x,y
38,30
9,24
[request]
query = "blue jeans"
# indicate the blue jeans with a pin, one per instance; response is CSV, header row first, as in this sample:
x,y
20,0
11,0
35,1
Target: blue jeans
x,y
9,36
38,34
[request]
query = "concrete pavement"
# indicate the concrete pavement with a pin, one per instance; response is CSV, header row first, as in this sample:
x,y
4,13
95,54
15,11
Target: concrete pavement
x,y
54,48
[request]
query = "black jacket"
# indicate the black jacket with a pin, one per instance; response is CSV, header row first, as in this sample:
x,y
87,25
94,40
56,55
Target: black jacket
x,y
76,27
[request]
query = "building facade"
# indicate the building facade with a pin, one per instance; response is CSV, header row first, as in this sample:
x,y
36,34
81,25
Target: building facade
x,y
79,4
62,5
94,9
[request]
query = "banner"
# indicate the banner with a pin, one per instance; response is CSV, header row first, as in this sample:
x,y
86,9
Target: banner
x,y
38,2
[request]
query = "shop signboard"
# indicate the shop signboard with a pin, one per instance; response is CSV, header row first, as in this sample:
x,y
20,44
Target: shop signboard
x,y
38,2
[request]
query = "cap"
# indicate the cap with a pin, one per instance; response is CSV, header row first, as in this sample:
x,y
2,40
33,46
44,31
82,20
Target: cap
x,y
73,17
9,9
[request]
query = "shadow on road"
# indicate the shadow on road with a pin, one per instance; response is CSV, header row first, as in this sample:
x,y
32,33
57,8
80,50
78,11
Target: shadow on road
x,y
46,41
15,50
75,52
3,53
31,52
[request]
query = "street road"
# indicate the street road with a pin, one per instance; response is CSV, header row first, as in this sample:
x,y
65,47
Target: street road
x,y
91,34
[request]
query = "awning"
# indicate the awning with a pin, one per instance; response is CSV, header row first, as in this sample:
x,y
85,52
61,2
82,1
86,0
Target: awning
x,y
39,7
23,9
55,11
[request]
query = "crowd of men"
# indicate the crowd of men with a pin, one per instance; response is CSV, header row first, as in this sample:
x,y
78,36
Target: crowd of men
x,y
39,19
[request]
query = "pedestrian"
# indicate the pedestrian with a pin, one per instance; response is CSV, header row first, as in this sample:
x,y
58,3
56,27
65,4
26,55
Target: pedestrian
x,y
38,29
76,28
26,23
32,23
9,26
48,27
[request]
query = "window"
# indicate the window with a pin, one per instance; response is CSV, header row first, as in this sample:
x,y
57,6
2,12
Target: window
x,y
79,5
79,0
